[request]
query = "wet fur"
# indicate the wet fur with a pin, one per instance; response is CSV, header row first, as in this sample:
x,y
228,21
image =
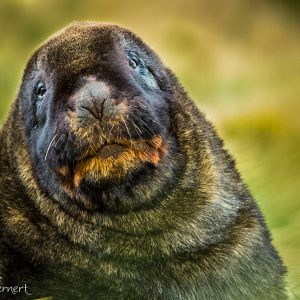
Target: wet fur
x,y
180,226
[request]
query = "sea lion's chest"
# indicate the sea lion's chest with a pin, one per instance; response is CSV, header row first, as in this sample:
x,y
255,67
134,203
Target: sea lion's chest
x,y
104,278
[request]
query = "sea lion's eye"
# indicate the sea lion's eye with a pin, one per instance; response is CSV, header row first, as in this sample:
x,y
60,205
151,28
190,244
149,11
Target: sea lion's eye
x,y
133,63
40,90
139,66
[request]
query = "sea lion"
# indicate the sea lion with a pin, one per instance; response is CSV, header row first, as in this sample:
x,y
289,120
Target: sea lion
x,y
114,186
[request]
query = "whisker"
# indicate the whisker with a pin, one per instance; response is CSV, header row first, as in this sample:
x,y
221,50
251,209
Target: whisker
x,y
128,132
93,149
139,119
119,132
56,143
50,146
112,127
137,129
142,104
158,124
147,115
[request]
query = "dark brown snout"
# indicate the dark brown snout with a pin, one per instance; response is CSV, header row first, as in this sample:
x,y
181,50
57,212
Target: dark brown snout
x,y
93,101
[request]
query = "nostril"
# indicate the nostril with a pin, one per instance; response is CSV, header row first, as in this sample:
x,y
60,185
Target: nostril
x,y
90,100
84,111
98,106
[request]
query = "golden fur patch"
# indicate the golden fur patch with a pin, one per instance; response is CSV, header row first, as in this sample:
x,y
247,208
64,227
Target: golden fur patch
x,y
129,156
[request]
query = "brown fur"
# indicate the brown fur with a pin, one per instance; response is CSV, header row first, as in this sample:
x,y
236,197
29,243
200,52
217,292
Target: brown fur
x,y
191,230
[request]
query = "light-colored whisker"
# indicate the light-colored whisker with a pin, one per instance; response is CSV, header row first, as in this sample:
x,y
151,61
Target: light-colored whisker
x,y
50,144
57,141
146,114
142,104
112,127
128,132
137,129
139,119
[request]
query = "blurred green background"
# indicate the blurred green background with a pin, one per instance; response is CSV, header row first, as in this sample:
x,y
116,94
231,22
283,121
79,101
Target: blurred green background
x,y
238,59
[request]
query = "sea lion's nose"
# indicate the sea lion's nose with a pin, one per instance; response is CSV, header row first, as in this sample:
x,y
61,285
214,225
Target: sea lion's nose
x,y
92,100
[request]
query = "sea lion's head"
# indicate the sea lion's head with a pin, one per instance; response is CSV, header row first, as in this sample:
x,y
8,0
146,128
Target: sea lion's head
x,y
96,107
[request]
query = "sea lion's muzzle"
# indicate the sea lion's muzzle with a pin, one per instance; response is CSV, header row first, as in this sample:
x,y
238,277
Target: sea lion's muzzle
x,y
109,136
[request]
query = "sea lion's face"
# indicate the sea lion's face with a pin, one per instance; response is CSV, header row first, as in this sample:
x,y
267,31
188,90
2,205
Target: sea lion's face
x,y
95,102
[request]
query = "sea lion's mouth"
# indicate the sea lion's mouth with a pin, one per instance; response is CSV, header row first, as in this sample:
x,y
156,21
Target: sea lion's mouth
x,y
112,161
114,149
111,150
